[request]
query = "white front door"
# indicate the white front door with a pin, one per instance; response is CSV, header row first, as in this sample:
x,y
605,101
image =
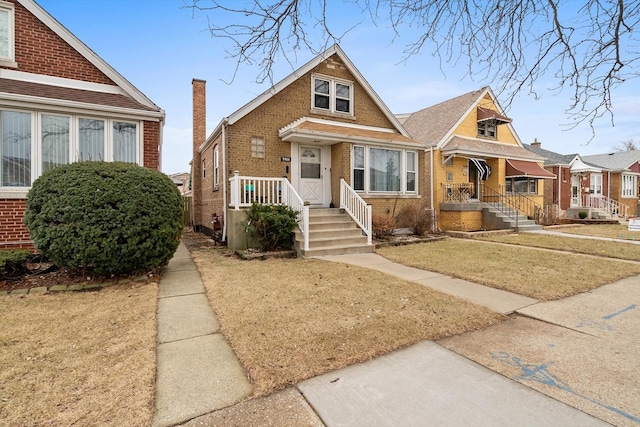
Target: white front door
x,y
575,190
595,190
595,184
311,175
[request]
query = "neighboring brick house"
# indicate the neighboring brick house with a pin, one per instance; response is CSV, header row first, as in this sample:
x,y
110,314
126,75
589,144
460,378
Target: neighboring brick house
x,y
318,127
182,181
60,103
577,184
621,182
476,159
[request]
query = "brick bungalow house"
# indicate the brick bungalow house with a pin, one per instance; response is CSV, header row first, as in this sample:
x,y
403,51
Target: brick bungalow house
x,y
581,186
621,181
60,103
480,176
320,138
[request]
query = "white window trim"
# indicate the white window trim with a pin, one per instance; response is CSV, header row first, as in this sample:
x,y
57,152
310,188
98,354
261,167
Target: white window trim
x,y
332,95
216,168
10,60
633,186
403,171
74,140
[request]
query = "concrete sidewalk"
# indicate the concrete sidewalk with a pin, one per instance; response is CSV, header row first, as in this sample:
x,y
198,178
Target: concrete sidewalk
x,y
425,385
197,371
497,300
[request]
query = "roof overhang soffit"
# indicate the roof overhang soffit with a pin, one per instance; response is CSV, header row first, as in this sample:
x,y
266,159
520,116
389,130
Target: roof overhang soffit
x,y
329,138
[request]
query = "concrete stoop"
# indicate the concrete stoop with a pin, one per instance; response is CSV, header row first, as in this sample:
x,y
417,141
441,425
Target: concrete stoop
x,y
332,232
503,221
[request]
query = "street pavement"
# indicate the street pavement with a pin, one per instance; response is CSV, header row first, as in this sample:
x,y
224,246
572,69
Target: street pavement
x,y
582,350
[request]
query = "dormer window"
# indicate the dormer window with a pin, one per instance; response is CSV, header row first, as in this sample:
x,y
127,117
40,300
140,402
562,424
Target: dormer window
x,y
487,129
7,55
332,96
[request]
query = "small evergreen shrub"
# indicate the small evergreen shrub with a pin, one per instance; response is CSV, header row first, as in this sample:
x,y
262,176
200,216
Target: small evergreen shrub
x,y
109,218
272,225
13,262
382,225
582,214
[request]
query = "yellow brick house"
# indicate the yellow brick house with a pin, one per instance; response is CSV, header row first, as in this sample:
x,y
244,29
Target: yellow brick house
x,y
321,141
480,176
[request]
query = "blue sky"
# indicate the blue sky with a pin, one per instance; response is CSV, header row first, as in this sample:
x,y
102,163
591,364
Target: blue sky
x,y
160,47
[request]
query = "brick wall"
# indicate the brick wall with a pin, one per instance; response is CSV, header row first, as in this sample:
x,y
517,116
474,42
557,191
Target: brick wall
x,y
151,138
460,220
199,137
13,232
39,50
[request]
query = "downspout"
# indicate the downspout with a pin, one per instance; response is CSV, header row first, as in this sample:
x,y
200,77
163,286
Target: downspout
x,y
160,141
224,175
434,225
559,191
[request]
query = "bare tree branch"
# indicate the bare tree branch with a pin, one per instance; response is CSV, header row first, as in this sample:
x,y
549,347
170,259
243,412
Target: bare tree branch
x,y
517,46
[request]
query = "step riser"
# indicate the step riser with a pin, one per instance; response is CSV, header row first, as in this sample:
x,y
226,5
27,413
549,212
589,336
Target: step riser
x,y
333,226
315,244
336,251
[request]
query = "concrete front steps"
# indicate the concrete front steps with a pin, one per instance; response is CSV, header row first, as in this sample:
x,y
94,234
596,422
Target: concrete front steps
x,y
332,232
502,221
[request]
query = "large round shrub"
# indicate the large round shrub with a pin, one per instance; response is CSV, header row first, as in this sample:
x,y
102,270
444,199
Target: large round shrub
x,y
109,218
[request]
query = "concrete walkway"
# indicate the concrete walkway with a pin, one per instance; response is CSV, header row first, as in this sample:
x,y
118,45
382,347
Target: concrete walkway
x,y
497,300
581,236
197,370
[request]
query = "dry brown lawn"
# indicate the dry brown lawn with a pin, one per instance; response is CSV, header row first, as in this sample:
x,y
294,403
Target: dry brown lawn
x,y
79,359
603,248
614,231
536,273
291,319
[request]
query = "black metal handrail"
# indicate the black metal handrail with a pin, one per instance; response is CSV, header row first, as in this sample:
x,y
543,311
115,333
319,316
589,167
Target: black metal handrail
x,y
511,205
508,203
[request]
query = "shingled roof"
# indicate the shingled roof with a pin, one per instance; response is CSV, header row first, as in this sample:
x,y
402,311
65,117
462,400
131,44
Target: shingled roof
x,y
431,124
615,161
551,157
17,87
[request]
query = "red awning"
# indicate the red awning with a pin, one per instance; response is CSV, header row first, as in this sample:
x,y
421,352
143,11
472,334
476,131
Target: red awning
x,y
485,114
519,168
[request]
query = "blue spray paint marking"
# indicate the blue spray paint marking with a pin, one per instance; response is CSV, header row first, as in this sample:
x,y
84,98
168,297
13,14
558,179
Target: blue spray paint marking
x,y
612,315
590,323
540,374
603,325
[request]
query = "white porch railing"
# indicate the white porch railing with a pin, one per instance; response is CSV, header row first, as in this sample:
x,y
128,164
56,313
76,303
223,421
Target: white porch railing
x,y
356,207
269,191
613,207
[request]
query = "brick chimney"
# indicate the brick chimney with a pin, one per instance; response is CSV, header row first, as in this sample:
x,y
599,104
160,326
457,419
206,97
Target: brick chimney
x,y
536,143
199,137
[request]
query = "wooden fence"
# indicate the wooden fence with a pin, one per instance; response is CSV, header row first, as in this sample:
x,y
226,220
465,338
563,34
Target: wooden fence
x,y
187,210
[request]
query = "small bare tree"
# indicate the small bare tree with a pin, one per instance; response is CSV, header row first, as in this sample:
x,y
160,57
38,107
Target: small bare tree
x,y
627,145
590,47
